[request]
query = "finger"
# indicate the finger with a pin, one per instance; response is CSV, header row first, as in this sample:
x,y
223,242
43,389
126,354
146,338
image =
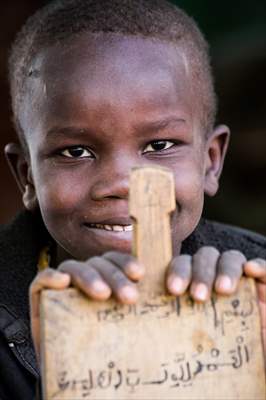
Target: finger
x,y
87,279
179,274
256,268
121,286
230,269
127,263
47,279
204,264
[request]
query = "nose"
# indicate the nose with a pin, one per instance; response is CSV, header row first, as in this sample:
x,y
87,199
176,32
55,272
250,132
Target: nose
x,y
112,179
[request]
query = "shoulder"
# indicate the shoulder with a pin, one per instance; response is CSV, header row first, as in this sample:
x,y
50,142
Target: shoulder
x,y
20,244
226,237
25,227
237,232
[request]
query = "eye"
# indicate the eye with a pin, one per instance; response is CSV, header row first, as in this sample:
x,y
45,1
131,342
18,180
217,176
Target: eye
x,y
77,152
158,145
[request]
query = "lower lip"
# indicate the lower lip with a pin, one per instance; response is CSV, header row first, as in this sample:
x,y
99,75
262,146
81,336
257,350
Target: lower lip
x,y
114,239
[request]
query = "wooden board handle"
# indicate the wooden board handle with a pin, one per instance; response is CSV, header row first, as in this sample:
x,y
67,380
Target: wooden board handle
x,y
152,199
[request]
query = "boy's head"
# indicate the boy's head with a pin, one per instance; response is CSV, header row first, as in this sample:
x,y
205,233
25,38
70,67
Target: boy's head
x,y
64,19
97,88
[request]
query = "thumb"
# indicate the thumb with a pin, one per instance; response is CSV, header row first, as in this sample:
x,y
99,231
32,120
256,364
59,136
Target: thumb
x,y
47,279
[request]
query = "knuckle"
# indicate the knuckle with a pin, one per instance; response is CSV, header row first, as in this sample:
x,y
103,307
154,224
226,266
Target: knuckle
x,y
118,277
181,265
90,276
208,250
41,278
260,261
68,265
47,273
183,258
85,274
96,260
110,254
206,257
231,263
236,254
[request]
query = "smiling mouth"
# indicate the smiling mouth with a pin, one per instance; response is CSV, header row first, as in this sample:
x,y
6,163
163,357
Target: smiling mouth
x,y
114,228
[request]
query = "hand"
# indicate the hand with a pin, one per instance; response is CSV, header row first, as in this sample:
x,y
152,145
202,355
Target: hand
x,y
208,270
99,277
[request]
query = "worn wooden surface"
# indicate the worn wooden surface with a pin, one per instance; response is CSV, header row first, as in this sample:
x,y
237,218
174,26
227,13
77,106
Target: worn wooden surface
x,y
160,348
152,199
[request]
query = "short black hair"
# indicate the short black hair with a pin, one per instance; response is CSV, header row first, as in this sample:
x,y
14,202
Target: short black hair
x,y
160,19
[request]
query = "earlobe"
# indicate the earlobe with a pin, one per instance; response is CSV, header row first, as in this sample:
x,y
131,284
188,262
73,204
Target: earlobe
x,y
216,148
21,170
29,197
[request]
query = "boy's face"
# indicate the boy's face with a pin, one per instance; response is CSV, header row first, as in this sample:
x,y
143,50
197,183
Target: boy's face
x,y
99,107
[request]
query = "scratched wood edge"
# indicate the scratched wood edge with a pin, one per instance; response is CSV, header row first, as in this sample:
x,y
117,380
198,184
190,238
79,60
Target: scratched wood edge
x,y
151,202
43,353
67,294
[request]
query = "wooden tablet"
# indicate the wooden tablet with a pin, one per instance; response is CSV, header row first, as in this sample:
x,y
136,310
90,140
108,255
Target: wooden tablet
x,y
162,347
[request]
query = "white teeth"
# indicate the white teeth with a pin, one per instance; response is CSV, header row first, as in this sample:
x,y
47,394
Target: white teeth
x,y
128,228
115,228
107,227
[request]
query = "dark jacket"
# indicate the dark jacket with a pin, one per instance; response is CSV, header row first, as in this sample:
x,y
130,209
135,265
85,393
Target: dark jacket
x,y
20,244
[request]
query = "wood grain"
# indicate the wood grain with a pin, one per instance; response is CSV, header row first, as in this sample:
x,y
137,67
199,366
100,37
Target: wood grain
x,y
152,199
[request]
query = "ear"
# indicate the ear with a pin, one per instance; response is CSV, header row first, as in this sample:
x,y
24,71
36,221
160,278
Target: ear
x,y
19,165
216,148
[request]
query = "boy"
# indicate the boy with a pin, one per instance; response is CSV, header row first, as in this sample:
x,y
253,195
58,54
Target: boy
x,y
97,88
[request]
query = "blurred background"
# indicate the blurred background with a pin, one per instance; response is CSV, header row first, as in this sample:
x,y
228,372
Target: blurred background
x,y
236,31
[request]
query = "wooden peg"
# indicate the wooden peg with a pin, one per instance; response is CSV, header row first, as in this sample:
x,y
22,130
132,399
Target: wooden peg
x,y
152,199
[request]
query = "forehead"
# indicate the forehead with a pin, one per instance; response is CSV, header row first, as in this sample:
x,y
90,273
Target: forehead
x,y
112,52
112,70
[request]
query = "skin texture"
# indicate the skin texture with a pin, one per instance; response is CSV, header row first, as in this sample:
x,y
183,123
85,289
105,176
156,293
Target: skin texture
x,y
100,106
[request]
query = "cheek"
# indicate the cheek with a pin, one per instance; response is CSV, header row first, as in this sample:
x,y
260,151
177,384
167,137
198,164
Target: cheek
x,y
62,198
189,200
60,194
60,204
189,188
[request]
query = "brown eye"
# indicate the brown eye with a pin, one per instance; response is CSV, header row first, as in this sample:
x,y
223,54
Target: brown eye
x,y
77,152
158,145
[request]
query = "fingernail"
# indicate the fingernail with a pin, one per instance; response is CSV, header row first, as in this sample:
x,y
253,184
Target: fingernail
x,y
135,270
223,283
129,293
99,286
176,285
201,291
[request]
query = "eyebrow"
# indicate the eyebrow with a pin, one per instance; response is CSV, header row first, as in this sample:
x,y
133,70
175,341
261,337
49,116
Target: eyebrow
x,y
68,131
146,127
153,126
